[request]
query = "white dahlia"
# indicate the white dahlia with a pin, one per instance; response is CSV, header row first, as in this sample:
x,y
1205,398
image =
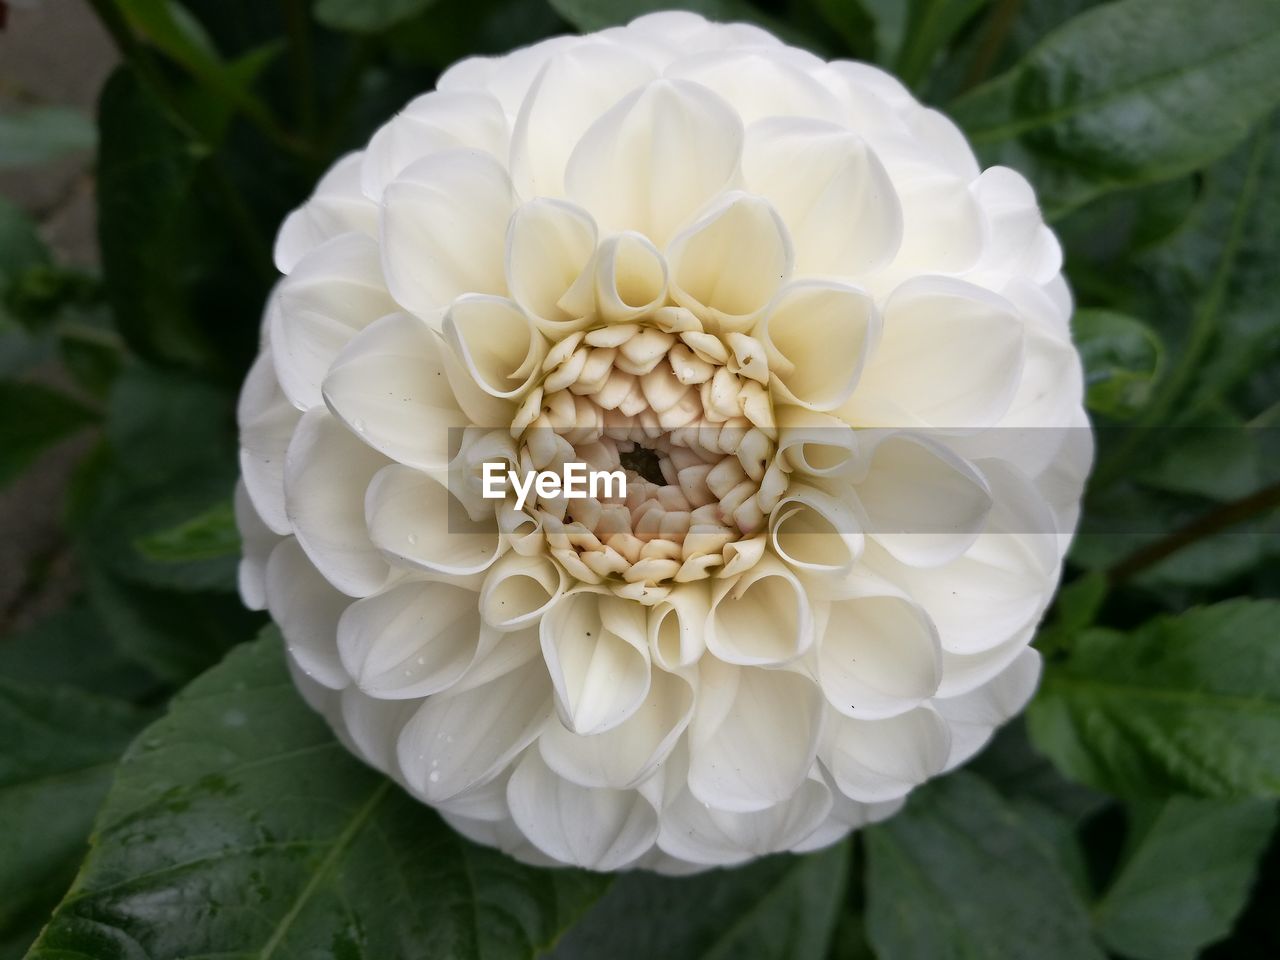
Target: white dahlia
x,y
832,356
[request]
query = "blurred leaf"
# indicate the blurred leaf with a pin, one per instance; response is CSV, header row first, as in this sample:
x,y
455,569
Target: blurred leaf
x,y
43,134
779,907
890,18
367,16
287,845
70,647
1122,359
1075,608
208,535
1187,703
1131,92
930,26
850,19
20,244
33,418
589,15
57,750
959,874
1211,453
1185,876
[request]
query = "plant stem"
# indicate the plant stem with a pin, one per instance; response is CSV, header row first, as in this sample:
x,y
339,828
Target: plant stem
x,y
999,25
1216,521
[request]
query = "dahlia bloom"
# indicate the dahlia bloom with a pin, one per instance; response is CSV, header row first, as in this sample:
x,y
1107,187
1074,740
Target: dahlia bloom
x,y
830,353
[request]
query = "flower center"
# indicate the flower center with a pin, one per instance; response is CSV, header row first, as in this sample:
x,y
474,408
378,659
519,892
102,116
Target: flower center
x,y
686,416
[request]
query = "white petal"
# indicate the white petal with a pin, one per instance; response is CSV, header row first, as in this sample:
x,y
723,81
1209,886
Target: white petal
x,y
815,532
496,342
598,656
570,93
653,160
758,83
327,471
873,761
974,716
620,758
507,77
754,736
372,726
599,829
433,123
335,292
694,831
549,244
677,626
942,227
267,420
630,278
818,336
830,189
257,542
1018,243
950,356
411,641
338,206
499,654
878,657
444,224
414,519
458,741
727,266
760,617
306,608
518,590
920,501
814,443
391,387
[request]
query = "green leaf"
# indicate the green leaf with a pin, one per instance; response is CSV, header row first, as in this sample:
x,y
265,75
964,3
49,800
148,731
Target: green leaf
x,y
57,749
1185,876
931,25
42,135
779,907
1132,92
367,16
33,418
238,826
959,874
1189,703
597,14
1122,359
206,536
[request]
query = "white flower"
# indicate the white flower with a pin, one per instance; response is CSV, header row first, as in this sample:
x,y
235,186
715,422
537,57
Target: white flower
x,y
834,355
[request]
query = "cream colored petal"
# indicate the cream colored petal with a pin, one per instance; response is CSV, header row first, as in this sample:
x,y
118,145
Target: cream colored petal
x,y
334,292
267,420
874,761
306,608
411,641
943,230
391,387
327,471
570,93
519,589
630,278
257,541
336,207
444,225
878,657
920,501
975,715
760,617
549,245
496,342
598,656
458,741
415,520
830,189
815,532
818,335
727,266
595,828
430,124
758,83
677,626
622,757
499,654
950,356
652,161
754,736
814,443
